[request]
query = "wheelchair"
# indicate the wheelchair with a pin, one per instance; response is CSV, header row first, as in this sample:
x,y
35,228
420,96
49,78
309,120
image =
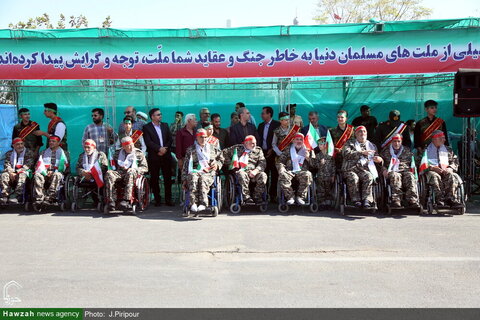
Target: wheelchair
x,y
140,199
388,198
215,199
235,198
26,198
61,198
427,196
79,190
311,201
342,198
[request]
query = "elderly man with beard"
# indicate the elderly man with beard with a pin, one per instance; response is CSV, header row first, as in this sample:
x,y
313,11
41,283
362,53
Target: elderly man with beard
x,y
442,164
129,162
397,163
251,166
17,166
52,166
294,164
202,161
86,162
359,171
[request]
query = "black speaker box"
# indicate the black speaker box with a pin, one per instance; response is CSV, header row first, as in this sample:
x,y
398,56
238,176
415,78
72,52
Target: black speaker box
x,y
466,93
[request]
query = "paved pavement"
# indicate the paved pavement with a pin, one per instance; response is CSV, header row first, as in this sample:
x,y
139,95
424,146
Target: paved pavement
x,y
158,259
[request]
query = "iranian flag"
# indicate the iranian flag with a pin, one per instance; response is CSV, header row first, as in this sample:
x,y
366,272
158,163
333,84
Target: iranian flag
x,y
97,174
413,168
424,163
62,162
330,145
234,164
111,161
40,167
243,161
190,166
311,138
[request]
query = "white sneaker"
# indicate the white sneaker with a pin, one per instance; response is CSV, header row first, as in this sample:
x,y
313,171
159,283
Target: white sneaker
x,y
202,208
194,208
300,201
290,202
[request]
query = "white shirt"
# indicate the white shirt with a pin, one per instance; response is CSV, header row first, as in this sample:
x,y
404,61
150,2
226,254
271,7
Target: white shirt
x,y
60,130
159,133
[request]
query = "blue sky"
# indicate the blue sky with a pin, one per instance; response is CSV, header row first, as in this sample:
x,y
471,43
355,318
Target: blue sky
x,y
197,14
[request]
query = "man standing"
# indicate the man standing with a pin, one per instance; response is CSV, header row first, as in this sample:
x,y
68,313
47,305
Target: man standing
x,y
242,129
137,123
366,120
99,132
130,162
17,166
52,166
26,130
294,118
56,126
386,130
325,165
158,139
340,135
265,131
204,115
240,105
176,126
185,138
397,163
219,133
359,171
425,127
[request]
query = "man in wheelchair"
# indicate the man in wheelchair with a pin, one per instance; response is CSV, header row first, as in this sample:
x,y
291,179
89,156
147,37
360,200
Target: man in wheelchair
x,y
397,164
358,168
130,162
91,163
325,165
202,161
17,167
294,164
249,167
52,167
442,164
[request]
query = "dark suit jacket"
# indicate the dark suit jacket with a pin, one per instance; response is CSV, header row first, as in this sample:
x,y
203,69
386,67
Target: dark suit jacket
x,y
153,142
273,125
237,136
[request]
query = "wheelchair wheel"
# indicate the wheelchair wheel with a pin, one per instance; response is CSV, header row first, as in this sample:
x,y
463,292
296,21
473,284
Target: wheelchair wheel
x,y
100,207
430,207
143,193
27,206
263,207
313,207
235,208
73,207
134,209
63,206
342,209
283,208
215,211
37,207
105,209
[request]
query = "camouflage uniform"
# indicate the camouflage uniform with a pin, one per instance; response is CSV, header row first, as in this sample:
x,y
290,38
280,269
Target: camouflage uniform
x,y
385,130
127,177
286,176
354,172
53,178
20,178
256,161
446,185
278,135
31,141
198,183
325,166
336,134
403,177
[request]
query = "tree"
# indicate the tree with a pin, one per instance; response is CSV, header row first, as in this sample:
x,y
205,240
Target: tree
x,y
358,11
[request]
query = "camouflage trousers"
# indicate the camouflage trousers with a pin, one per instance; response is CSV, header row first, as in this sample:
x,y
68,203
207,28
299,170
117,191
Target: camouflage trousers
x,y
198,184
39,182
359,182
443,186
405,180
286,178
324,189
17,183
260,181
127,179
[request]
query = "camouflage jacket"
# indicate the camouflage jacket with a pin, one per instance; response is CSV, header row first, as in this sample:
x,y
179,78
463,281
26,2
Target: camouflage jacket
x,y
102,158
54,161
452,159
405,158
351,157
325,165
256,159
28,161
284,162
216,157
142,166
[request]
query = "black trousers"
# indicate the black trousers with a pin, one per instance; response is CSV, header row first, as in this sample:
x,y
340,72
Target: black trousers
x,y
165,164
272,174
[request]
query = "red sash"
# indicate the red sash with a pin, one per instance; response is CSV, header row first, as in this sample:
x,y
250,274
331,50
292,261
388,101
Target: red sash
x,y
401,127
436,124
212,140
289,138
52,124
136,135
27,130
345,136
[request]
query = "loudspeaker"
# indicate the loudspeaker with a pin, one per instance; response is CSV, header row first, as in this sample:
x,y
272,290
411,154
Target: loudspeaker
x,y
466,93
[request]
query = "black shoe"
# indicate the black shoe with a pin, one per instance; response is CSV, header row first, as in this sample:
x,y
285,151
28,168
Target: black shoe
x,y
124,204
396,204
111,206
169,203
249,201
440,203
367,204
357,204
454,204
414,205
13,200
